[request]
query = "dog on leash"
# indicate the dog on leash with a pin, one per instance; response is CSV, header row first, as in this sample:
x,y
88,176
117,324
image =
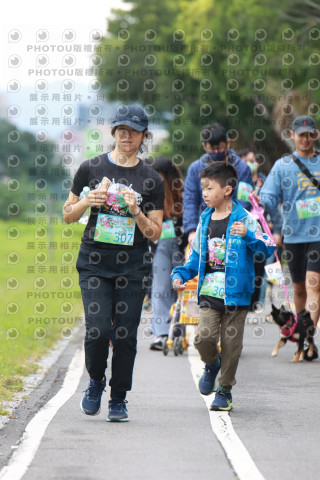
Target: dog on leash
x,y
296,329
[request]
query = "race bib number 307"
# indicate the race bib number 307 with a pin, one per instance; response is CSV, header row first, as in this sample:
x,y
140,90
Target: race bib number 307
x,y
114,229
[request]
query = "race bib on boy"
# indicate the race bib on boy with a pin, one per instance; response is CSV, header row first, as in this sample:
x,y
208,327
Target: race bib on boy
x,y
167,230
308,208
114,229
213,285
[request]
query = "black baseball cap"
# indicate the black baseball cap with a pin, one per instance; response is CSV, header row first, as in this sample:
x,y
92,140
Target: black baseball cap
x,y
131,115
304,124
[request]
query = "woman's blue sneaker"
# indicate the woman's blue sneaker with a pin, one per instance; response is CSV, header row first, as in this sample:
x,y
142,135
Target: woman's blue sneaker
x,y
222,401
90,404
117,410
207,381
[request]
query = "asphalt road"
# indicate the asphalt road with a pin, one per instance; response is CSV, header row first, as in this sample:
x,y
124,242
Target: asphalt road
x,y
169,435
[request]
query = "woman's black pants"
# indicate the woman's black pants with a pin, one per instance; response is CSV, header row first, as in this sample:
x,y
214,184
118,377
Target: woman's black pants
x,y
112,287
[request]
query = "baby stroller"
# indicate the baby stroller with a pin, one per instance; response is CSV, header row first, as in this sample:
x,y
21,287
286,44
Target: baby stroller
x,y
185,311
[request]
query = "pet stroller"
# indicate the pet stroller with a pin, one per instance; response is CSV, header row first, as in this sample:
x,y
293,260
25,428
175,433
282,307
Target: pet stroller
x,y
185,311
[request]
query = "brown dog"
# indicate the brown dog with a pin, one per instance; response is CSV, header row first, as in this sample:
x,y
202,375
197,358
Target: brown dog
x,y
296,329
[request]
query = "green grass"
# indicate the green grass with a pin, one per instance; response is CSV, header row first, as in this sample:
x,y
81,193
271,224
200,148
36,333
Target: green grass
x,y
40,296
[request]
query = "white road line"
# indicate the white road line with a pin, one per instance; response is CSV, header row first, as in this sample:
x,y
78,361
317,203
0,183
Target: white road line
x,y
33,380
235,451
31,438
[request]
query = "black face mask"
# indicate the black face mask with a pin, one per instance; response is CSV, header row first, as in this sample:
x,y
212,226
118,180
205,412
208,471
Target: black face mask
x,y
220,156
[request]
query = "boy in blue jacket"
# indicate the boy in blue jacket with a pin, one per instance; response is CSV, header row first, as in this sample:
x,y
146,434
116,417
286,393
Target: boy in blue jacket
x,y
224,287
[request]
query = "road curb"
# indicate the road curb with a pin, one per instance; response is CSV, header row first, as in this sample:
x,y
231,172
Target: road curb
x,y
31,382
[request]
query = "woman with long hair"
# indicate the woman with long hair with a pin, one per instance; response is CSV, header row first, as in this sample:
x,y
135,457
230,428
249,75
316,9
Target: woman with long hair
x,y
169,251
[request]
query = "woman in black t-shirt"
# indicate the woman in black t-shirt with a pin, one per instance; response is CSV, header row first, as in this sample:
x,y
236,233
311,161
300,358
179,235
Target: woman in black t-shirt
x,y
126,199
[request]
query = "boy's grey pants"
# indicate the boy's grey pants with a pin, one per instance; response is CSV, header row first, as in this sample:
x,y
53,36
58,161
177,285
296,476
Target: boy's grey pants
x,y
215,325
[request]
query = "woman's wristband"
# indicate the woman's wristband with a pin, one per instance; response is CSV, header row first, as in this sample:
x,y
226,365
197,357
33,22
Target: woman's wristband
x,y
135,215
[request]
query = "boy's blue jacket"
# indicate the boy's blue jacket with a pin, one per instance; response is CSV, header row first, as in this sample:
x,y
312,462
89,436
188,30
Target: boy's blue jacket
x,y
239,280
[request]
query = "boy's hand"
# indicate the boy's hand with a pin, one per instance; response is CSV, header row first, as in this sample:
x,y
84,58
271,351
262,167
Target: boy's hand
x,y
238,228
176,285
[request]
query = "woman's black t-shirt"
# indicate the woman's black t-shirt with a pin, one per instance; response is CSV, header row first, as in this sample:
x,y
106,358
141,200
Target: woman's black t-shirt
x,y
143,179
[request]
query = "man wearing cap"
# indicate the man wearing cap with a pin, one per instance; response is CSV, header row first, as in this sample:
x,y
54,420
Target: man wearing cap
x,y
294,180
217,148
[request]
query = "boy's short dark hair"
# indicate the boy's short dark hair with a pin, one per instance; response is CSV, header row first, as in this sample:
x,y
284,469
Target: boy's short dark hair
x,y
213,133
224,173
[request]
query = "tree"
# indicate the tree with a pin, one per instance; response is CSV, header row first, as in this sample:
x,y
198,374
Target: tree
x,y
29,173
191,63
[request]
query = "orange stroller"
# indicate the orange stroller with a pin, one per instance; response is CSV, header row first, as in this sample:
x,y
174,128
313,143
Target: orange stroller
x,y
185,311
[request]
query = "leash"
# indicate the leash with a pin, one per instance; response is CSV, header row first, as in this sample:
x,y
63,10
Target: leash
x,y
258,211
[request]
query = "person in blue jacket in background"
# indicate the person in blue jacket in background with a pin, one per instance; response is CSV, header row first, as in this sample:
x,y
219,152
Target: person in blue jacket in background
x,y
217,148
225,282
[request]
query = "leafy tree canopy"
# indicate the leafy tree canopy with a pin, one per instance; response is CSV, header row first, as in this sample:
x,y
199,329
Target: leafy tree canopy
x,y
251,66
30,174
